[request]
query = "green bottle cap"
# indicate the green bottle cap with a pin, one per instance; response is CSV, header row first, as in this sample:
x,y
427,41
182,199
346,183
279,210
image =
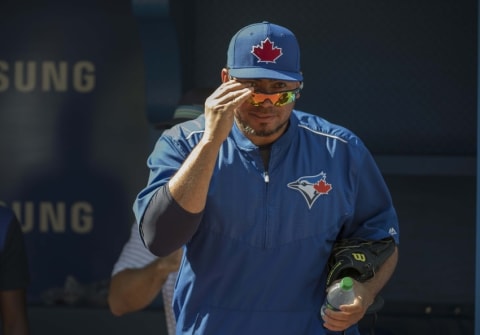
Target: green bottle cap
x,y
346,283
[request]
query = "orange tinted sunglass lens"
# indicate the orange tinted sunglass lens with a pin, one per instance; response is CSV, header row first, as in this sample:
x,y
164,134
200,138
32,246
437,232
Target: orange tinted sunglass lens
x,y
278,99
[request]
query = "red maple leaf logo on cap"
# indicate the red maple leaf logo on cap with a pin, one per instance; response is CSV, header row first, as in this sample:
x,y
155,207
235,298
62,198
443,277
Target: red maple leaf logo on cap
x,y
266,52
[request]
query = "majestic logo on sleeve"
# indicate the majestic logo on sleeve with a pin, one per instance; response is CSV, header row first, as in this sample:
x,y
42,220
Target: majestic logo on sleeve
x,y
311,187
266,52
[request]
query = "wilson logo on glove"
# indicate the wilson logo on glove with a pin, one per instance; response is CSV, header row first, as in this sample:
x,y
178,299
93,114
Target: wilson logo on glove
x,y
358,258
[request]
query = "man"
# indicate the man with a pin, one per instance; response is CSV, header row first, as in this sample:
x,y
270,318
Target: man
x,y
258,193
14,275
138,276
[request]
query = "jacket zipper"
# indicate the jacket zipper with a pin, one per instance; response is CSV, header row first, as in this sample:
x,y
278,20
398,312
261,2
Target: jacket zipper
x,y
266,177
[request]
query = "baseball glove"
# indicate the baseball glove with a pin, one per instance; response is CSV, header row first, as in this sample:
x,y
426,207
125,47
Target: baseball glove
x,y
358,258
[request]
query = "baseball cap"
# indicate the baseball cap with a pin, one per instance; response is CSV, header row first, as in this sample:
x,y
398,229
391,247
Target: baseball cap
x,y
264,50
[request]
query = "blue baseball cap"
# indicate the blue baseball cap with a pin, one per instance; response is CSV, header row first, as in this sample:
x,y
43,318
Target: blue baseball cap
x,y
264,50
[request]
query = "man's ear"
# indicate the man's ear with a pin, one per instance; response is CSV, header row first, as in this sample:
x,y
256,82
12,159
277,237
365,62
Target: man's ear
x,y
300,87
224,76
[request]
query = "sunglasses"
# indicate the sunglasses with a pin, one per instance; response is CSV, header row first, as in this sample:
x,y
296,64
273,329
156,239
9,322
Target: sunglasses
x,y
278,99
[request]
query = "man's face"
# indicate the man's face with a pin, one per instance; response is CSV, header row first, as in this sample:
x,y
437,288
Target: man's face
x,y
264,117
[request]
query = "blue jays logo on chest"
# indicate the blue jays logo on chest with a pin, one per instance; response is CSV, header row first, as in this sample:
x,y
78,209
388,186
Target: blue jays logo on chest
x,y
311,187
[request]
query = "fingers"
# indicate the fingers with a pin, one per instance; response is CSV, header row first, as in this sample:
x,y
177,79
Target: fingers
x,y
335,321
220,107
341,320
240,97
230,94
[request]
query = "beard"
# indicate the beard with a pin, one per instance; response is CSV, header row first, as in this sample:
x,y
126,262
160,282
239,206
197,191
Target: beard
x,y
261,131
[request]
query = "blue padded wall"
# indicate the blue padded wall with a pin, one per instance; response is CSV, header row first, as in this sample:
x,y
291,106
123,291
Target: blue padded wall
x,y
161,58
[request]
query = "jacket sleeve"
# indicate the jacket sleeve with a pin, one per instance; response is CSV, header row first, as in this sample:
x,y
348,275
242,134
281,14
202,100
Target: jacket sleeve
x,y
166,226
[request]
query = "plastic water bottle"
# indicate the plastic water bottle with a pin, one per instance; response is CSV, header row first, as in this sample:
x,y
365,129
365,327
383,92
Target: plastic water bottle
x,y
340,294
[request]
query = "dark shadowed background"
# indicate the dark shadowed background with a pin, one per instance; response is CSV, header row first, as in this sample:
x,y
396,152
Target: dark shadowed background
x,y
83,84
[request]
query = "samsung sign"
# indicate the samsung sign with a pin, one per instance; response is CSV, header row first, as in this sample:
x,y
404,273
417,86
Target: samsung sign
x,y
54,217
47,76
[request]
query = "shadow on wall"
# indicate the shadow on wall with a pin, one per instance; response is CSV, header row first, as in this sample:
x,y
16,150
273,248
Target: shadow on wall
x,y
74,216
75,138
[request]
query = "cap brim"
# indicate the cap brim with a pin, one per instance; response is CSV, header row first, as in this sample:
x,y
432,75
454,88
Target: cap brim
x,y
258,73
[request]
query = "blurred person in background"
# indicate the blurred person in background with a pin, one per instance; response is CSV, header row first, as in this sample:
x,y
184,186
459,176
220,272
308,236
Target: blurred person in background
x,y
138,276
14,275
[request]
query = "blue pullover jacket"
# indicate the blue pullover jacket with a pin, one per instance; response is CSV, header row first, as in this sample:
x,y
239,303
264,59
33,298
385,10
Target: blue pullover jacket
x,y
257,262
